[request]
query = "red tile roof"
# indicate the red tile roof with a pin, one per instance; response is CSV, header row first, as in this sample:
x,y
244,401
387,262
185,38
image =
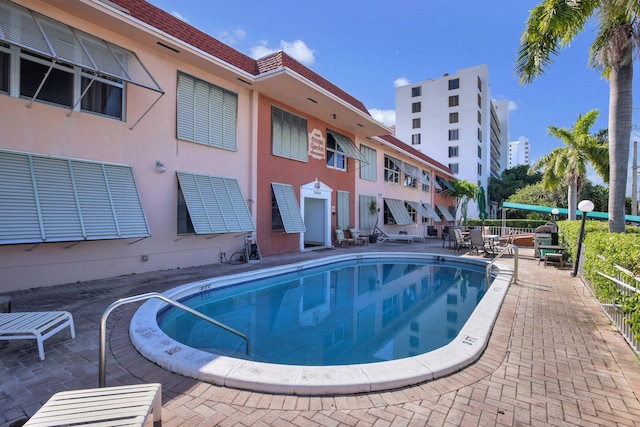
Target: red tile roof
x,y
167,23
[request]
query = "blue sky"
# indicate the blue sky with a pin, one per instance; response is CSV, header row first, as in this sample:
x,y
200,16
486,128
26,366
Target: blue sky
x,y
366,48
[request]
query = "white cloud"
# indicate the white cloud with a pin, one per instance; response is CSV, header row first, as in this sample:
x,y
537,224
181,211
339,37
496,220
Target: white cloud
x,y
232,37
178,15
297,49
260,51
401,81
513,106
386,117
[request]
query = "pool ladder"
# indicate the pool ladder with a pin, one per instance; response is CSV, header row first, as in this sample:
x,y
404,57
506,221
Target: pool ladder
x,y
510,247
102,368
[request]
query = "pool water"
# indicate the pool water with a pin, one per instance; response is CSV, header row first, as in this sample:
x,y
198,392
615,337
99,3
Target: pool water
x,y
349,312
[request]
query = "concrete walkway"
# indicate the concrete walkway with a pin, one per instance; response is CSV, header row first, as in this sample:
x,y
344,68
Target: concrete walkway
x,y
553,359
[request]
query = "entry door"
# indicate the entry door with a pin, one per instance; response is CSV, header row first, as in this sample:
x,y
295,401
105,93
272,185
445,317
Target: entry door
x,y
314,222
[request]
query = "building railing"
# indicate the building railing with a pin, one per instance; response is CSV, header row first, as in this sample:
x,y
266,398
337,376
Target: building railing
x,y
627,284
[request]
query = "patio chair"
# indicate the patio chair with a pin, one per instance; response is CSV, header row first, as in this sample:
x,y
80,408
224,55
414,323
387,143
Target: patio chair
x,y
360,240
128,405
342,239
460,242
431,231
476,241
38,326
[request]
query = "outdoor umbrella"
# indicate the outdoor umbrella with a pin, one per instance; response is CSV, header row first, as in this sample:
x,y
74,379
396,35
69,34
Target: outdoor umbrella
x,y
481,198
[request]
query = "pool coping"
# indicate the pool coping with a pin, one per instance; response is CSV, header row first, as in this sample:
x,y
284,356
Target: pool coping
x,y
466,348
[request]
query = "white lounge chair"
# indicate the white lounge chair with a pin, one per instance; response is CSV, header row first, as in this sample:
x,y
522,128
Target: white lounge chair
x,y
128,405
38,325
384,236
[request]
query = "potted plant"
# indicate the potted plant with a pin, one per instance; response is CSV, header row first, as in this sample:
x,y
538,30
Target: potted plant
x,y
373,208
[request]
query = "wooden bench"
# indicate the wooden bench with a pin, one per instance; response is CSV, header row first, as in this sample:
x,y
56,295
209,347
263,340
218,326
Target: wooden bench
x,y
109,406
550,257
38,325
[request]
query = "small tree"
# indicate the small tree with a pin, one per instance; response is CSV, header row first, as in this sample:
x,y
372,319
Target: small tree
x,y
463,190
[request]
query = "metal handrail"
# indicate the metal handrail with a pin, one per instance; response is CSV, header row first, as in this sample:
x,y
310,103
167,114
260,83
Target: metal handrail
x,y
136,298
515,261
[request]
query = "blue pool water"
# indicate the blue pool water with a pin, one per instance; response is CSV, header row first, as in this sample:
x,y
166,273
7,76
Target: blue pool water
x,y
349,312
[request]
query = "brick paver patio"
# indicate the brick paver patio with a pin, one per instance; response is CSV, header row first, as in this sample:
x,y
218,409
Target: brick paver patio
x,y
553,359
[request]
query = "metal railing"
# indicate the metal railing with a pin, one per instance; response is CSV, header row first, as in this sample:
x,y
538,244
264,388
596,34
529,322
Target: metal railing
x,y
102,369
614,311
509,247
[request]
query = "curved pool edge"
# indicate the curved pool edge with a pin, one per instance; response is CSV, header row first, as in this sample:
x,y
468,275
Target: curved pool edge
x,y
465,349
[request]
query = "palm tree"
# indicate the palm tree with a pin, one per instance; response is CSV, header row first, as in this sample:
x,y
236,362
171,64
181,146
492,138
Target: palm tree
x,y
569,163
552,25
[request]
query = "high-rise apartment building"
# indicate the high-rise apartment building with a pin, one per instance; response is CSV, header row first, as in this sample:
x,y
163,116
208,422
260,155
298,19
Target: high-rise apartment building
x,y
454,120
519,152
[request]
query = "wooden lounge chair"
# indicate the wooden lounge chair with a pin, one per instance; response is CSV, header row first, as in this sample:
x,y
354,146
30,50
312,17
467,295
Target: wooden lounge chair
x,y
37,326
128,405
341,238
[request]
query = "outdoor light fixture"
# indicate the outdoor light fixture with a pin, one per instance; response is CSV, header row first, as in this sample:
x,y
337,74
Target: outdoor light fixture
x,y
585,207
160,168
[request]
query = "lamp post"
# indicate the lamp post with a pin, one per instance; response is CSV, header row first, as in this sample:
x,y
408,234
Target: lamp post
x,y
585,207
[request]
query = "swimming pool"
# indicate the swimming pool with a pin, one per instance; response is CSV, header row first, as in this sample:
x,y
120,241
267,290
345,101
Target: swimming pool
x,y
299,373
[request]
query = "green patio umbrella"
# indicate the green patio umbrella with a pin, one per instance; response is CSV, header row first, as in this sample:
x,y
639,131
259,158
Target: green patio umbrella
x,y
481,198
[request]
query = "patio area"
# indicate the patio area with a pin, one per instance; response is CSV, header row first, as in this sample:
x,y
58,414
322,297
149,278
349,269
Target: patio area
x,y
553,359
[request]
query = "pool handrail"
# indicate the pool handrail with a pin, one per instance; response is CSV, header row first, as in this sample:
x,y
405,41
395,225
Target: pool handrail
x,y
512,247
102,371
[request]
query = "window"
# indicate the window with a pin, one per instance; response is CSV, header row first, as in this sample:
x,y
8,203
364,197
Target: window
x,y
391,170
416,91
413,214
57,88
369,170
453,151
342,209
288,135
387,216
453,167
479,84
454,84
426,179
416,107
453,117
480,135
415,123
453,134
479,169
185,226
5,60
276,218
454,101
479,117
410,181
479,100
479,152
336,158
207,114
415,139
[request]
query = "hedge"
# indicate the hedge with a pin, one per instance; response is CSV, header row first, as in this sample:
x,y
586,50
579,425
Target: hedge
x,y
601,251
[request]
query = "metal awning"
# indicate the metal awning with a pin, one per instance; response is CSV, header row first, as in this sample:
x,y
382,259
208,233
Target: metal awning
x,y
420,209
59,42
445,213
432,212
564,211
428,180
399,212
348,147
215,204
288,207
57,199
446,185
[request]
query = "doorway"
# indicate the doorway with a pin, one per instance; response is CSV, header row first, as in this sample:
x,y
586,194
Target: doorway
x,y
316,212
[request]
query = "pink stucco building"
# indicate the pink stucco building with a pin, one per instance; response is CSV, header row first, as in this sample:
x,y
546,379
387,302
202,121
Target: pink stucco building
x,y
134,142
